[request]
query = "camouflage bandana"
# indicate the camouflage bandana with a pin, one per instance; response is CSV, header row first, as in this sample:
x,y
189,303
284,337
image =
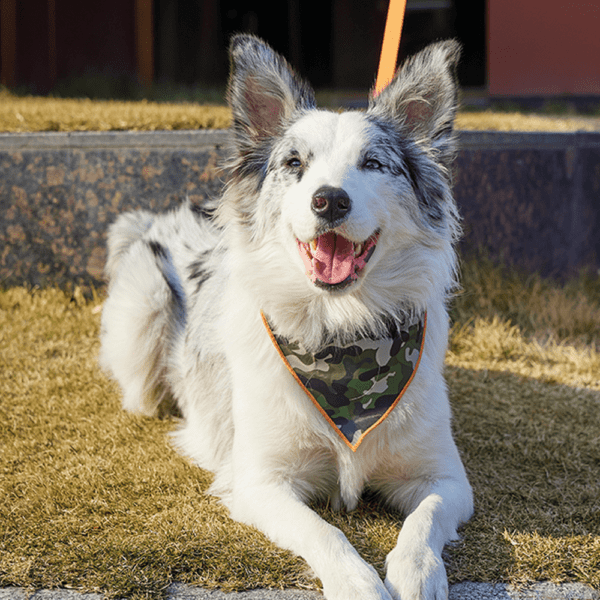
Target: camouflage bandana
x,y
357,385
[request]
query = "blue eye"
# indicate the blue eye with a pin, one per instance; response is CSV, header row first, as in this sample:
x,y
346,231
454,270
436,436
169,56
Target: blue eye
x,y
294,163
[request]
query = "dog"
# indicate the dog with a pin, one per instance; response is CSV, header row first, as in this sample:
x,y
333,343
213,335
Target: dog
x,y
299,325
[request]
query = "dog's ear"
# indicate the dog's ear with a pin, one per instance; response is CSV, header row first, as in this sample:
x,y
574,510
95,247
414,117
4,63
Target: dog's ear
x,y
263,90
422,98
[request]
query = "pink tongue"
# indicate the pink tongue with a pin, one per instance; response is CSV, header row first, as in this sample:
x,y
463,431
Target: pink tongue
x,y
333,258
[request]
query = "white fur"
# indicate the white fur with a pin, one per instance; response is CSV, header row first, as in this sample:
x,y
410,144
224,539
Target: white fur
x,y
246,419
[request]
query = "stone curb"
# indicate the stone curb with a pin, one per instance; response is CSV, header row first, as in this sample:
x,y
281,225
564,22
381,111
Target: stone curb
x,y
101,140
458,591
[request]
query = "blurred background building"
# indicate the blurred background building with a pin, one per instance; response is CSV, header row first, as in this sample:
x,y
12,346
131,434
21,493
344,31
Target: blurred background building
x,y
512,48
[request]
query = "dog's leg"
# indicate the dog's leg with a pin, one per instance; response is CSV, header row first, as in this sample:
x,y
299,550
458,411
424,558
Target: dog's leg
x,y
415,570
289,523
276,509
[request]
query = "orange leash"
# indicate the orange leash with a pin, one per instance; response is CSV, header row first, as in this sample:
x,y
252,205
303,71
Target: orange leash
x,y
391,43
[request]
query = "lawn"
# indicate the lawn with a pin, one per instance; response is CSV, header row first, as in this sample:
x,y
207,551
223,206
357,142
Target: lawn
x,y
94,498
19,114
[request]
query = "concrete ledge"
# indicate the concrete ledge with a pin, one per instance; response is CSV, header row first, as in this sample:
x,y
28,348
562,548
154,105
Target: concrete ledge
x,y
458,591
532,199
60,191
104,140
536,140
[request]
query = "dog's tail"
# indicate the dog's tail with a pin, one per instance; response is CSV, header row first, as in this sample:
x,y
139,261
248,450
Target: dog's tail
x,y
144,311
126,230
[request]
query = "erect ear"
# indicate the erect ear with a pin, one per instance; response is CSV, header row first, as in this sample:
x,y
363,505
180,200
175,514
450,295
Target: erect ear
x,y
263,90
422,98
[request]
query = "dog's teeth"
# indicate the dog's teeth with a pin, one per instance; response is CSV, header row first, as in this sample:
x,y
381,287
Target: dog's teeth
x,y
313,244
357,249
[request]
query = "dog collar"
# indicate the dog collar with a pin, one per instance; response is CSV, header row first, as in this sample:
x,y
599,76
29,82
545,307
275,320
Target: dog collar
x,y
355,386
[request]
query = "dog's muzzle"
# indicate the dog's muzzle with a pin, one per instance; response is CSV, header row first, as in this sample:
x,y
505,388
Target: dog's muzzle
x,y
334,262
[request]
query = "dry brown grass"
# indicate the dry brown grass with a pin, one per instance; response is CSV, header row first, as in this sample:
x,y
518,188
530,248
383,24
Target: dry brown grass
x,y
96,499
539,307
29,114
519,121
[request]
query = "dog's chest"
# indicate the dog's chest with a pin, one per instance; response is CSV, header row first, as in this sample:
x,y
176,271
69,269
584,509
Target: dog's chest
x,y
355,386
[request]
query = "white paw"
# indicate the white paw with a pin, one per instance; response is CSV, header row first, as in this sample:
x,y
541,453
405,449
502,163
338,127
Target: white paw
x,y
416,574
362,583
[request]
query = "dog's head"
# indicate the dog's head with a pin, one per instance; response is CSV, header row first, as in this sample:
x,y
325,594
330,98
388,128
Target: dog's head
x,y
337,200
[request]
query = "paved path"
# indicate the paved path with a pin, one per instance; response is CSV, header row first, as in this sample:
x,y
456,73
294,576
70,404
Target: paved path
x,y
459,591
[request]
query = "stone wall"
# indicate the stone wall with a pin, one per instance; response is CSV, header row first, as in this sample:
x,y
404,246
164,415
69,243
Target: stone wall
x,y
532,200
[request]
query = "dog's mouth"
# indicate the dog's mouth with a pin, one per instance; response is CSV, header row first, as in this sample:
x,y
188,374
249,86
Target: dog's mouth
x,y
334,262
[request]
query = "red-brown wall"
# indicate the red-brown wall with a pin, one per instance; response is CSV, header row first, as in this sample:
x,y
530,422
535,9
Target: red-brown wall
x,y
543,47
44,41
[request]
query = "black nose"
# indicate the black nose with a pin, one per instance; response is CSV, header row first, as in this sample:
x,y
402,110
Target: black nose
x,y
331,203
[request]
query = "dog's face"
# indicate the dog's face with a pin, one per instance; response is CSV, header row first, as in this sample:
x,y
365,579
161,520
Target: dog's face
x,y
348,197
333,201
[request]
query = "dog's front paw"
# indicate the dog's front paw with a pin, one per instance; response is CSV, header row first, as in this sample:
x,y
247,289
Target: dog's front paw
x,y
362,583
416,574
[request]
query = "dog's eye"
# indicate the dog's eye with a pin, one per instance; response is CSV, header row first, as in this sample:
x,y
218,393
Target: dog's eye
x,y
294,163
372,164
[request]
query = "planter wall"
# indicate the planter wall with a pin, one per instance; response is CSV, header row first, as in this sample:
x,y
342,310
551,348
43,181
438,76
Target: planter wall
x,y
532,200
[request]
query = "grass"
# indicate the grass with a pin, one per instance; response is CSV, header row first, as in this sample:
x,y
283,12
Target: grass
x,y
94,498
20,114
491,120
30,113
539,307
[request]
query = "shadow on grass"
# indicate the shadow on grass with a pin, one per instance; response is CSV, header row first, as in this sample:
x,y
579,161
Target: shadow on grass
x,y
531,452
